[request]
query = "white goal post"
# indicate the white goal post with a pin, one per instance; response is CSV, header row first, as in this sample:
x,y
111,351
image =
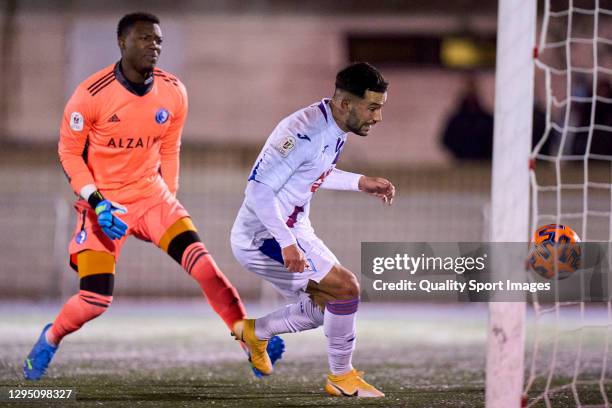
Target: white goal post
x,y
514,85
567,178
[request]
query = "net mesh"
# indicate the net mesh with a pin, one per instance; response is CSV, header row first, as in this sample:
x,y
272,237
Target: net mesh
x,y
571,183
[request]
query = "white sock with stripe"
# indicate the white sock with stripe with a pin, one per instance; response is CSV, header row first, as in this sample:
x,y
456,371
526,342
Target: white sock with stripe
x,y
339,327
297,317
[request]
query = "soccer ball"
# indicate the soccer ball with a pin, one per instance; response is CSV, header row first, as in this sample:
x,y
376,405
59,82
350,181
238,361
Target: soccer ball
x,y
555,249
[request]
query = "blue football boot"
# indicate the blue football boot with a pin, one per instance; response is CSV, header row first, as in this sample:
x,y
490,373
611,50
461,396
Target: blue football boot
x,y
38,360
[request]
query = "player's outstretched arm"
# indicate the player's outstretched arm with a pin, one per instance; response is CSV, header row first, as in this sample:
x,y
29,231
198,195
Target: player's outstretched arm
x,y
341,180
378,187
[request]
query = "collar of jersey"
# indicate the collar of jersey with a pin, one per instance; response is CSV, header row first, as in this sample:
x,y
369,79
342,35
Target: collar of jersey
x,y
332,122
139,90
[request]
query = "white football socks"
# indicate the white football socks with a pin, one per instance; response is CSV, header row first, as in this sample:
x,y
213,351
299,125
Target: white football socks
x,y
339,328
297,317
338,325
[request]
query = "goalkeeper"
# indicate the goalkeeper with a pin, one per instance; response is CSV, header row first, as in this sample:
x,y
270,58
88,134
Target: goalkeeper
x,y
119,146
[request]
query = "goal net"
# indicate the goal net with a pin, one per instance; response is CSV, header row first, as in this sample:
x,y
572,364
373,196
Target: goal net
x,y
565,346
568,352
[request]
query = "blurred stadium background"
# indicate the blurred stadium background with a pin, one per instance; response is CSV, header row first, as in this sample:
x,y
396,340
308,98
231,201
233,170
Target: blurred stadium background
x,y
246,65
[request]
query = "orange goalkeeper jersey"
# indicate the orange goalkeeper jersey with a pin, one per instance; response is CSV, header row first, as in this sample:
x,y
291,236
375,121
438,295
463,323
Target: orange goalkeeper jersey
x,y
124,140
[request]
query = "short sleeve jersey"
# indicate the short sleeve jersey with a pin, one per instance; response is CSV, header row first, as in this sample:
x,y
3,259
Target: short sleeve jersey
x,y
123,141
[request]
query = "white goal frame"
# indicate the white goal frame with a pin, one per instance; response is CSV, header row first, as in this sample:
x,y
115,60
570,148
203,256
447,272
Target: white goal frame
x,y
514,87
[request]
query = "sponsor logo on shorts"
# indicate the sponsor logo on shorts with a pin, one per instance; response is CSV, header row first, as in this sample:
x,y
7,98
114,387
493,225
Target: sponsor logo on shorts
x,y
76,121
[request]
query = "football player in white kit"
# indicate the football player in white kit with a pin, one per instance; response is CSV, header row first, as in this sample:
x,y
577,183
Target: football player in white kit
x,y
272,235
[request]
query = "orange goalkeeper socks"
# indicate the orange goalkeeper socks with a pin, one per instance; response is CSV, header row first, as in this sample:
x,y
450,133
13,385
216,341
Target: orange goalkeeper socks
x,y
221,295
77,311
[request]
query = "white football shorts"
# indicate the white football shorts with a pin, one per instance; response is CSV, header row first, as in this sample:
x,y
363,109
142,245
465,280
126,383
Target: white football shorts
x,y
264,258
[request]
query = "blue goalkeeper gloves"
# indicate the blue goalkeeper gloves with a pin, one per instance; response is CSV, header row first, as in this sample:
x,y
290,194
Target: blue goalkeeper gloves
x,y
112,225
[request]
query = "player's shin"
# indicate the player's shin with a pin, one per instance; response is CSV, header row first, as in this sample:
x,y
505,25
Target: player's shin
x,y
339,327
78,310
182,242
221,295
297,317
96,270
224,299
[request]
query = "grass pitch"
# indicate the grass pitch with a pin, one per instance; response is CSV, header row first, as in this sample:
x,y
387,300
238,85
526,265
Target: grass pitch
x,y
179,354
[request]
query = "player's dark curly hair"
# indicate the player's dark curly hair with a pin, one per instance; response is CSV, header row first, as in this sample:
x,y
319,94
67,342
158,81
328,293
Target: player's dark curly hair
x,y
129,20
359,77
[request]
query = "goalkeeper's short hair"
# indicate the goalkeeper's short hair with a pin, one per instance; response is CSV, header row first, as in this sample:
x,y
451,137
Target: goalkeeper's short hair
x,y
128,21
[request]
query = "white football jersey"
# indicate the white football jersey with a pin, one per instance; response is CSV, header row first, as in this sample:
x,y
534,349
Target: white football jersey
x,y
295,160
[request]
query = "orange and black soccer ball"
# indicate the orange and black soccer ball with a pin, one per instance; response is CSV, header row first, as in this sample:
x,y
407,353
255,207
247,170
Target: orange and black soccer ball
x,y
555,250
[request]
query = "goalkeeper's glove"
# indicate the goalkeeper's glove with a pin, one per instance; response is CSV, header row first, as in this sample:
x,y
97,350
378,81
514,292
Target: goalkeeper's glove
x,y
112,225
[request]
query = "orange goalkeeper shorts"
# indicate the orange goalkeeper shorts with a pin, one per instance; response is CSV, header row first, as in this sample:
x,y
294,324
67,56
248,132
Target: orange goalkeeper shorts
x,y
147,219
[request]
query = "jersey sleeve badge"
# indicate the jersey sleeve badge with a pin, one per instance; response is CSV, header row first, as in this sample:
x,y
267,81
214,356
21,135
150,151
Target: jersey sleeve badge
x,y
285,146
76,121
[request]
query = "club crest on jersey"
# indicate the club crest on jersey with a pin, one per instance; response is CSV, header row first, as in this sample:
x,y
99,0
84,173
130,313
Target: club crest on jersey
x,y
286,145
80,237
162,116
76,121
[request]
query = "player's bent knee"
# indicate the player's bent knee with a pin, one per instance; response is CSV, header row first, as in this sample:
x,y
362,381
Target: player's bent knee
x,y
340,283
348,287
90,262
178,238
96,293
102,284
352,287
97,274
319,298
